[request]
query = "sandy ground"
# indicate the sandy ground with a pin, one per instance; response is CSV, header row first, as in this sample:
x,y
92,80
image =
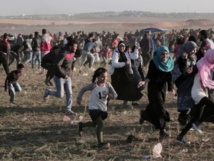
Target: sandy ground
x,y
119,25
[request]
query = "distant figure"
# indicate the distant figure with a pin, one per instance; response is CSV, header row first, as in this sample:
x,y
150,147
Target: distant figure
x,y
11,83
16,53
146,49
4,62
86,52
5,45
36,42
49,63
28,50
203,35
205,45
46,42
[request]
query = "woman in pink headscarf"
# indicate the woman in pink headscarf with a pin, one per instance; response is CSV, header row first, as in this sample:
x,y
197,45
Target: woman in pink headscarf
x,y
204,106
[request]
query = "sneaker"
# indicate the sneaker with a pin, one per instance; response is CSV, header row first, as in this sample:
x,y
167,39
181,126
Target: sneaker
x,y
80,129
164,135
102,146
181,141
70,112
197,128
46,96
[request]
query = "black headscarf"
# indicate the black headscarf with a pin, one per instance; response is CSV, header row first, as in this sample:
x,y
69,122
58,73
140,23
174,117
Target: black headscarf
x,y
122,54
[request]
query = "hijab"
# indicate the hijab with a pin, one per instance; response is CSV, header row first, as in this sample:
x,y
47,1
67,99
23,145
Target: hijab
x,y
122,57
204,43
205,66
165,66
186,48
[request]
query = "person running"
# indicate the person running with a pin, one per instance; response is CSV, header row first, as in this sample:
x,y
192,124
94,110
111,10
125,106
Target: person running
x,y
86,52
11,84
36,42
159,74
203,110
101,90
48,63
183,76
62,75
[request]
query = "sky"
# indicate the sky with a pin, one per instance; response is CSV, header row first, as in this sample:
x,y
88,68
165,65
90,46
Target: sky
x,y
29,7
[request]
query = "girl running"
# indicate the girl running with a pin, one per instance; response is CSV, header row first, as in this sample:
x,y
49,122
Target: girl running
x,y
101,90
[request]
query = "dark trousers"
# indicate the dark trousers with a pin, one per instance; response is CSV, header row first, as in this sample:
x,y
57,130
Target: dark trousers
x,y
4,62
202,112
97,117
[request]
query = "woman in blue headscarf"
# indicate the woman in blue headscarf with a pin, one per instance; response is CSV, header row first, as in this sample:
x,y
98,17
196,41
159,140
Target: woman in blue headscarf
x,y
159,75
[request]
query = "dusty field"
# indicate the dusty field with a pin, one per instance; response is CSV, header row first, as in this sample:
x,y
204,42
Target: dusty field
x,y
120,25
35,130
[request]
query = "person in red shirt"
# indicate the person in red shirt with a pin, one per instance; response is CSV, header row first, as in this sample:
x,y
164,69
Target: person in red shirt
x,y
106,54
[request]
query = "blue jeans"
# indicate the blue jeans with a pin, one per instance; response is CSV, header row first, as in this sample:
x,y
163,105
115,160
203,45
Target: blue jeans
x,y
62,86
87,57
28,57
36,56
13,88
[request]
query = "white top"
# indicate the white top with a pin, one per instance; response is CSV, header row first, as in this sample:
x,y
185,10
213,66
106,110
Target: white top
x,y
99,95
116,56
198,91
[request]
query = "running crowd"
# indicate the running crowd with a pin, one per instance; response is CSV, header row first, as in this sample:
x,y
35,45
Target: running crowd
x,y
181,62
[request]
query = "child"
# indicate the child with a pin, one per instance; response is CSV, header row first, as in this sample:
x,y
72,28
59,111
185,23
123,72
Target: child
x,y
106,55
11,82
101,90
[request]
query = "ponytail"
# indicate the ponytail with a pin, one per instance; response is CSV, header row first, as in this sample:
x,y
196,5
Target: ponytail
x,y
97,73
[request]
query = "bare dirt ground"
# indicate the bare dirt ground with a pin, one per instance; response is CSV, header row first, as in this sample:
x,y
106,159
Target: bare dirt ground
x,y
35,130
119,25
